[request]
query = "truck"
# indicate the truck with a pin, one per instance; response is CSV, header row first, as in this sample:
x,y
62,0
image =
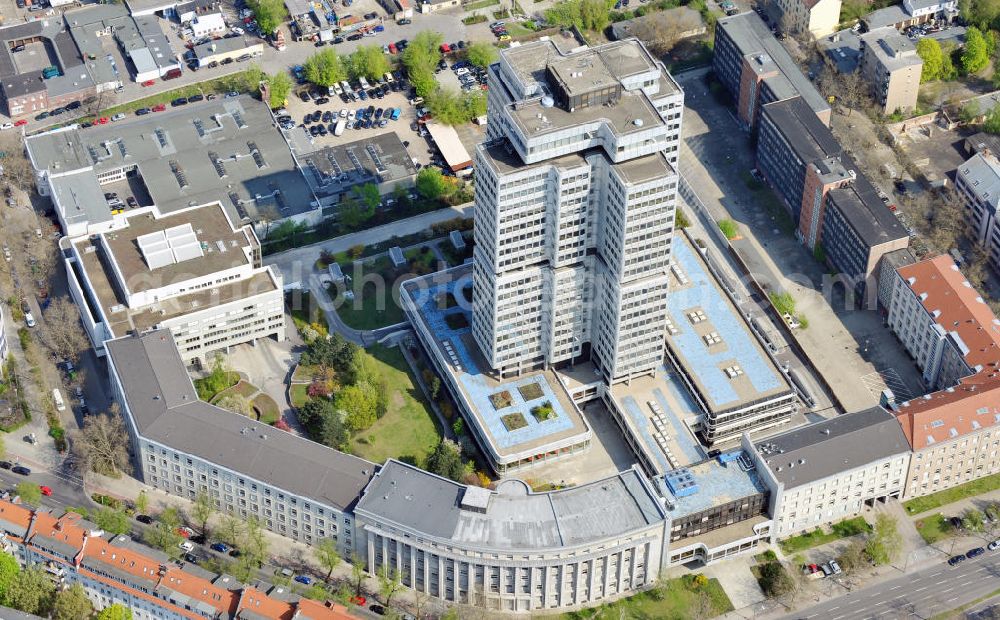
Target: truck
x,y
339,129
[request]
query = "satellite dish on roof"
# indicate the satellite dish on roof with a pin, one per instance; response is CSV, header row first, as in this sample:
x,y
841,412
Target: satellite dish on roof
x,y
637,122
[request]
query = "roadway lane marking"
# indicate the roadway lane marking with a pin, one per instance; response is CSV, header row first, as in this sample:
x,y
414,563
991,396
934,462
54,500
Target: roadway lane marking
x,y
954,598
921,589
896,587
834,608
948,589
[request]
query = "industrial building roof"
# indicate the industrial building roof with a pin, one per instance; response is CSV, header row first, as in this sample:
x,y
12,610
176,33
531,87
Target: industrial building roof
x,y
866,214
816,451
753,37
446,139
512,518
223,46
164,405
379,159
226,150
708,336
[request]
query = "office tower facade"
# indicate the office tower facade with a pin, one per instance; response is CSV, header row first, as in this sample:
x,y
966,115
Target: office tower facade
x,y
575,194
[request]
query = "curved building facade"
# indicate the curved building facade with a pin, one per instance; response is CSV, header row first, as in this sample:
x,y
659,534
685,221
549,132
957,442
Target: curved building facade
x,y
512,550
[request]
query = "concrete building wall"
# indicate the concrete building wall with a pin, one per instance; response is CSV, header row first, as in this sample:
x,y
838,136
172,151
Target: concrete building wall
x,y
944,465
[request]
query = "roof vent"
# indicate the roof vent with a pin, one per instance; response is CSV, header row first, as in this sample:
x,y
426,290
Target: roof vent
x,y
548,102
637,122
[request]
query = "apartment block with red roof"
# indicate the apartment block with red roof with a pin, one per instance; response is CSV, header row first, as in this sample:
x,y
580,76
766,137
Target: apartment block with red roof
x,y
118,570
954,338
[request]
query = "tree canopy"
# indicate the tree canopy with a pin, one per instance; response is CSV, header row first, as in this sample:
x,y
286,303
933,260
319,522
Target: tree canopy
x,y
446,461
334,352
368,61
975,55
481,53
420,58
584,14
430,183
930,52
268,13
453,108
115,612
280,86
323,422
324,68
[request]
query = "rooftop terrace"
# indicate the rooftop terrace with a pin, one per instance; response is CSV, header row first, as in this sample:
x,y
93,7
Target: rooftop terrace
x,y
711,340
714,482
502,409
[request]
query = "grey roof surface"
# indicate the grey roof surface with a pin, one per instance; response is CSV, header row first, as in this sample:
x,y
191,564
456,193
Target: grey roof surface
x,y
980,141
50,29
867,215
982,173
176,152
753,37
889,16
222,46
833,446
843,48
516,519
13,614
382,158
804,132
891,48
162,401
133,33
23,84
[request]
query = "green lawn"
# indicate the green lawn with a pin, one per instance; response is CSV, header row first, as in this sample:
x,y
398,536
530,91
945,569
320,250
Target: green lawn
x,y
268,408
678,599
409,430
846,528
242,388
936,500
933,528
297,394
375,299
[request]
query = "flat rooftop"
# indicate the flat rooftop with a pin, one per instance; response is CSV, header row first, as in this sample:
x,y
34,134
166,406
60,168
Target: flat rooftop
x,y
753,37
165,407
224,150
632,114
514,518
379,159
833,446
708,335
98,253
664,428
502,409
717,482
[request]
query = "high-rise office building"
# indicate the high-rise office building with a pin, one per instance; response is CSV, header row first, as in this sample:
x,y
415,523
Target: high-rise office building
x,y
575,192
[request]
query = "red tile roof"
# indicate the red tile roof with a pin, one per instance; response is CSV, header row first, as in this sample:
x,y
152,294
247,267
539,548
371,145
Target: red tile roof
x,y
960,308
952,412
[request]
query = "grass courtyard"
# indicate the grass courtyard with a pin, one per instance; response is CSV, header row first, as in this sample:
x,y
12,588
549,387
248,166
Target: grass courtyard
x,y
409,430
844,529
675,599
376,296
933,528
936,500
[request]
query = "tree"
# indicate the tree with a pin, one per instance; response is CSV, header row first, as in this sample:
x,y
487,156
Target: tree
x,y
280,86
72,604
9,569
17,168
481,53
972,520
969,112
31,592
202,511
63,333
29,492
324,68
101,445
163,534
991,124
389,583
430,183
446,460
268,13
323,422
142,502
327,555
360,403
852,557
369,195
111,520
885,542
335,353
929,51
357,573
254,550
237,403
475,104
230,531
775,580
975,55
423,52
423,81
368,61
354,213
115,612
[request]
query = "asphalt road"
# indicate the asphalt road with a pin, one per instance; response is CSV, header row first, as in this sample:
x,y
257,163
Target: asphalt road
x,y
919,594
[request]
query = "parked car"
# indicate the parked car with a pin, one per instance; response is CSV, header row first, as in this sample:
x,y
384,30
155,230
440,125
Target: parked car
x,y
971,553
377,609
358,600
836,567
142,111
159,107
6,464
144,519
220,547
185,531
956,560
22,470
198,539
191,558
29,320
993,546
46,491
303,579
186,546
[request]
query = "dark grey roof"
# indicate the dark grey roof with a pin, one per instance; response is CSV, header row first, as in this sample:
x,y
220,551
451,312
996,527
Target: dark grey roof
x,y
165,408
752,36
799,125
13,614
819,450
23,84
864,211
515,518
889,16
978,142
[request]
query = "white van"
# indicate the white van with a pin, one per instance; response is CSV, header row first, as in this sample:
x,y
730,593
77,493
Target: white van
x,y
364,83
58,400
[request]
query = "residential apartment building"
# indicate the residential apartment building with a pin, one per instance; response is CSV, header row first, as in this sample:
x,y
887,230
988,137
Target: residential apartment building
x,y
295,487
512,550
943,323
977,184
574,210
835,207
828,471
117,570
817,18
3,341
891,66
756,69
192,272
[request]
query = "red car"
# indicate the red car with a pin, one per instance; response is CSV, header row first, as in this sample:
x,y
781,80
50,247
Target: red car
x,y
392,49
104,120
149,82
445,48
45,490
159,107
359,601
20,122
185,531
